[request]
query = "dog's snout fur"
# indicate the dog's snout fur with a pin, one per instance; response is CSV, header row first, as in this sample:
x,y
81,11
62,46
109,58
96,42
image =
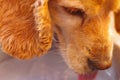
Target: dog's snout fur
x,y
99,65
100,58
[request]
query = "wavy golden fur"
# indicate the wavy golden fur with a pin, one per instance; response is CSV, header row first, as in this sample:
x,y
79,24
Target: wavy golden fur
x,y
23,33
81,27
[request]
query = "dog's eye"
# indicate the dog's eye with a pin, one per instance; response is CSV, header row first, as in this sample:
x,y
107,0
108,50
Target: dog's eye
x,y
74,11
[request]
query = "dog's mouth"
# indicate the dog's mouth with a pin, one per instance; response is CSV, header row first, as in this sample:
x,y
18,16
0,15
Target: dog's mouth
x,y
89,76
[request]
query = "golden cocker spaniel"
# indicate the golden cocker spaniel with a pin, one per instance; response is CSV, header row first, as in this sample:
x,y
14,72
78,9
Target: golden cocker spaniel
x,y
81,28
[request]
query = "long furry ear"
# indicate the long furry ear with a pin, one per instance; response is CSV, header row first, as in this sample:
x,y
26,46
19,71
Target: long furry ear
x,y
25,31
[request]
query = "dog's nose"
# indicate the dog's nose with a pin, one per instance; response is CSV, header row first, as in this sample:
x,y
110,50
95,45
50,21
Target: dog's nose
x,y
99,65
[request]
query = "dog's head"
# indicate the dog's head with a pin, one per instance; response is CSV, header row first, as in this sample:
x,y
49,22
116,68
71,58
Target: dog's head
x,y
82,29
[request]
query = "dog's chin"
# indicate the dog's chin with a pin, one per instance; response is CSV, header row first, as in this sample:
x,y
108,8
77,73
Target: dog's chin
x,y
88,76
84,71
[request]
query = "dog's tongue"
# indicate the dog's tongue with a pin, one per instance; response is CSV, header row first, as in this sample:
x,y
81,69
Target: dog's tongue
x,y
90,76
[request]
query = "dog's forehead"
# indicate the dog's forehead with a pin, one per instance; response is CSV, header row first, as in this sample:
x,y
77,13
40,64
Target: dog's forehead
x,y
70,3
80,2
92,6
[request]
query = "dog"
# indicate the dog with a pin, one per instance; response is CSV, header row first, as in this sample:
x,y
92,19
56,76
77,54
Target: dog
x,y
81,29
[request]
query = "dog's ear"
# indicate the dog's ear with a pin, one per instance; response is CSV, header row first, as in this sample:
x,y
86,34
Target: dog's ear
x,y
24,42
